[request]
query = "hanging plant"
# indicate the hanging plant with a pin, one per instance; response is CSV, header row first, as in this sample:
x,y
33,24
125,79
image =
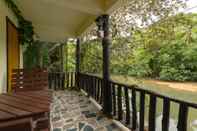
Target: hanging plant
x,y
25,27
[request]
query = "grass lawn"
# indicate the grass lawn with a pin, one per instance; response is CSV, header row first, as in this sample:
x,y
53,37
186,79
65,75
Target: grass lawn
x,y
186,91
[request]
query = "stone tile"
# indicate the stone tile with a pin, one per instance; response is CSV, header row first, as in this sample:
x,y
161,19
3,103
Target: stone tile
x,y
69,120
81,100
111,127
68,126
72,129
71,111
103,120
88,128
83,106
85,112
92,122
99,118
67,115
80,118
57,129
100,129
57,124
90,115
56,118
81,125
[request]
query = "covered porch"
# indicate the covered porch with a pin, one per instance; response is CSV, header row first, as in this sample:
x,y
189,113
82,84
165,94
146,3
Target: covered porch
x,y
84,102
130,109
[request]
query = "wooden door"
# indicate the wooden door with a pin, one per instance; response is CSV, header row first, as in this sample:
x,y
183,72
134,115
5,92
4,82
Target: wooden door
x,y
13,51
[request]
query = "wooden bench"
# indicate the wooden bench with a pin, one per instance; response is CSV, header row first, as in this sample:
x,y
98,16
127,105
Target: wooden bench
x,y
24,80
28,80
17,125
32,104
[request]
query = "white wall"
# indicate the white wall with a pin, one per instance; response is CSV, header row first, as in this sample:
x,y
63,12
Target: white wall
x,y
4,11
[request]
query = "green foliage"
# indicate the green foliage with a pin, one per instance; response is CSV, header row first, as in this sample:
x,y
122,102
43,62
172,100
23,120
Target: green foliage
x,y
165,50
141,60
36,55
91,57
69,64
172,65
31,56
25,27
168,51
44,55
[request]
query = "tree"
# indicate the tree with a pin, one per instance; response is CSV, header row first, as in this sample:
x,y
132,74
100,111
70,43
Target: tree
x,y
138,14
170,45
164,50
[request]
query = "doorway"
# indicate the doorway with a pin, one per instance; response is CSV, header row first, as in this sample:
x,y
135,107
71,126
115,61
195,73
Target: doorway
x,y
13,51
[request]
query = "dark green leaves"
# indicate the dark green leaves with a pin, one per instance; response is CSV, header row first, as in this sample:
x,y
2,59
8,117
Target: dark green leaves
x,y
25,27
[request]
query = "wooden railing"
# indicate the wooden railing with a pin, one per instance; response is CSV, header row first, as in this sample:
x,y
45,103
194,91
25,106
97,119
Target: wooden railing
x,y
124,104
92,85
61,80
124,101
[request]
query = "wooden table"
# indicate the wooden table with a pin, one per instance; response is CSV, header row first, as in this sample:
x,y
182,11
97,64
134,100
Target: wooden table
x,y
15,106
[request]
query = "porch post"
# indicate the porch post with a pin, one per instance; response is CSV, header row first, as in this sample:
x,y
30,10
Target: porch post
x,y
107,107
77,61
62,57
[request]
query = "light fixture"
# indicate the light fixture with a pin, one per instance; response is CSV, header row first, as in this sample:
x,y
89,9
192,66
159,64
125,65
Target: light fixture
x,y
100,33
99,23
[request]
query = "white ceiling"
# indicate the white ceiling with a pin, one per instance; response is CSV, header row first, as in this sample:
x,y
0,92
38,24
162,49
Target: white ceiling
x,y
56,20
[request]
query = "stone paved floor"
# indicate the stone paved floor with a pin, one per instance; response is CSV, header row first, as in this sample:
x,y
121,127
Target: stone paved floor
x,y
72,111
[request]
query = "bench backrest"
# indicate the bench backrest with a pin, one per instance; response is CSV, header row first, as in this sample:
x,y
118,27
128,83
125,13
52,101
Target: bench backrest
x,y
25,80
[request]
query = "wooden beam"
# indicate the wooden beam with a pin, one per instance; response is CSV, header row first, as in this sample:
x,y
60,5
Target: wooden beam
x,y
106,72
78,55
77,61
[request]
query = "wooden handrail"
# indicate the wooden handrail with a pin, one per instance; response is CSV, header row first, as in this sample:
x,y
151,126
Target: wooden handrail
x,y
90,85
93,86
